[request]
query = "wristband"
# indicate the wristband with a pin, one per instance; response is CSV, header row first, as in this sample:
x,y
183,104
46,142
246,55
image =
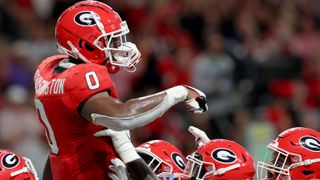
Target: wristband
x,y
176,94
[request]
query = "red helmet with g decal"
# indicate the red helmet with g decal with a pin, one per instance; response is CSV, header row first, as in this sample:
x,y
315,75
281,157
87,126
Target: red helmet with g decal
x,y
220,159
163,158
16,167
295,154
93,32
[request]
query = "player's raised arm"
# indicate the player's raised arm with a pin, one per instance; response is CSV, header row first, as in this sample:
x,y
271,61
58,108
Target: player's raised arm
x,y
107,111
136,167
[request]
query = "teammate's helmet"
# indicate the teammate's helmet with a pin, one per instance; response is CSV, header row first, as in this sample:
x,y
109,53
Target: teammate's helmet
x,y
163,158
220,159
15,167
294,154
93,32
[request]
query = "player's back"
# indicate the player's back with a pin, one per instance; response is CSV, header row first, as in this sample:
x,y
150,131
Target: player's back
x,y
61,88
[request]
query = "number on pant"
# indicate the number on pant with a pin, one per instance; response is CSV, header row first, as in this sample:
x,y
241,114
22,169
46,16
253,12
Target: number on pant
x,y
49,132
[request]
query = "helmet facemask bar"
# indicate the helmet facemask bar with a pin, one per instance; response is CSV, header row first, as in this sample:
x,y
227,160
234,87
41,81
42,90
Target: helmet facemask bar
x,y
195,166
115,47
277,162
155,163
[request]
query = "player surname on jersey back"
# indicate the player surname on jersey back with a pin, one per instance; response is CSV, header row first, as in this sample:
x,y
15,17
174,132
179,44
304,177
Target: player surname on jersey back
x,y
52,87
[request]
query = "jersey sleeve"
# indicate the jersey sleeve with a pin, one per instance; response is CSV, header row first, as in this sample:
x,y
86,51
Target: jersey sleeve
x,y
85,81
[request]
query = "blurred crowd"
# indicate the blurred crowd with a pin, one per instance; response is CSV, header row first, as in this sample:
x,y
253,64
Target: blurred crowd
x,y
258,61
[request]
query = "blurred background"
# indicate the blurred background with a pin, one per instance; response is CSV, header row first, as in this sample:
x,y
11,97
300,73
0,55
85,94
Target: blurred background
x,y
258,61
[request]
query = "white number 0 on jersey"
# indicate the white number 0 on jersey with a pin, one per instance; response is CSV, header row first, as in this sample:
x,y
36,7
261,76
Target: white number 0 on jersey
x,y
92,80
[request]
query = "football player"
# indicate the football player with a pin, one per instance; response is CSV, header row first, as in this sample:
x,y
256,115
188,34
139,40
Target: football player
x,y
218,159
16,167
294,154
213,160
151,160
164,158
75,96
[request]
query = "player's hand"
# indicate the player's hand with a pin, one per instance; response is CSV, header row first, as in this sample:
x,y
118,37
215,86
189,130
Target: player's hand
x,y
196,100
134,53
119,138
121,143
128,54
118,170
201,137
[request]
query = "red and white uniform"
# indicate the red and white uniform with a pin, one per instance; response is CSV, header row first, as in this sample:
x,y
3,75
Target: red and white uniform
x,y
75,152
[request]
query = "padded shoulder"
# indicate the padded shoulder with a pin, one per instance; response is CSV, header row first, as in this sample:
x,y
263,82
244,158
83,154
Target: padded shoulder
x,y
86,80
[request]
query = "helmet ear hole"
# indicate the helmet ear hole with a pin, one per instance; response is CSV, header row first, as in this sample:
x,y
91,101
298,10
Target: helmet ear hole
x,y
292,143
81,43
306,172
244,158
85,45
88,47
165,152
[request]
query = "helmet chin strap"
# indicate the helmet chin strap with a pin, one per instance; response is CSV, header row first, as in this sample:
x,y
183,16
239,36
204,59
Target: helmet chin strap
x,y
226,169
305,163
30,168
21,171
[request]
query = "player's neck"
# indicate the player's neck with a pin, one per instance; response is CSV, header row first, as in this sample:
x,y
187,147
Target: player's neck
x,y
66,64
75,61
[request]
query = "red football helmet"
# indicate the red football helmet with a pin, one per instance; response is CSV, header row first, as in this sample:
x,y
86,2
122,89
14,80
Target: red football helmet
x,y
295,154
93,32
15,167
163,158
220,159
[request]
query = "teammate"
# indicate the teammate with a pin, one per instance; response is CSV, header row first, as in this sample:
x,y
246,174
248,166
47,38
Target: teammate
x,y
214,159
164,160
16,167
75,96
218,159
295,154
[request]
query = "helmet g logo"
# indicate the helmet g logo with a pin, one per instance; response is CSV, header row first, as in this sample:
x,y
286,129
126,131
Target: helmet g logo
x,y
178,160
310,143
85,18
10,160
224,155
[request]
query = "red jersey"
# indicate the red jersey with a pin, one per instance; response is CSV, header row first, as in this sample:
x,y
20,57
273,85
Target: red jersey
x,y
75,152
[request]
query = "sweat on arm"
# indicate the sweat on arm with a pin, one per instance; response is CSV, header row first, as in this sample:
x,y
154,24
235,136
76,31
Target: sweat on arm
x,y
104,110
